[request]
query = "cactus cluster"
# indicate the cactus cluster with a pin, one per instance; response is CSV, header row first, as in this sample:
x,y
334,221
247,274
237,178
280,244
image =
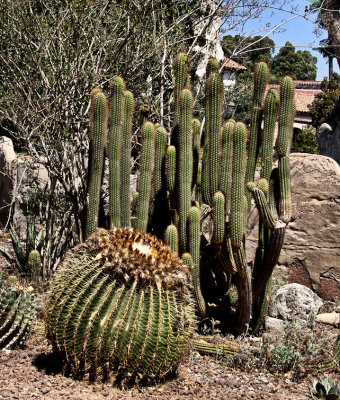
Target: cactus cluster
x,y
111,308
16,312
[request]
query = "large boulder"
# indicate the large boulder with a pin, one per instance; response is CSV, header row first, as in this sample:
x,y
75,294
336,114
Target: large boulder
x,y
21,180
311,250
297,304
7,159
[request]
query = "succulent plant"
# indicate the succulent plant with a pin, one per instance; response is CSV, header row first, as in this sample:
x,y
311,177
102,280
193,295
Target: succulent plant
x,y
120,307
16,313
326,389
34,241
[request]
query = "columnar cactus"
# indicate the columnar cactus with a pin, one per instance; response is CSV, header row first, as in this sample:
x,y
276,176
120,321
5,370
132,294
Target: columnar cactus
x,y
117,87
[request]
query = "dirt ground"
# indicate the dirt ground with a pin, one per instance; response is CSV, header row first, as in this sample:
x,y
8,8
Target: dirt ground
x,y
32,373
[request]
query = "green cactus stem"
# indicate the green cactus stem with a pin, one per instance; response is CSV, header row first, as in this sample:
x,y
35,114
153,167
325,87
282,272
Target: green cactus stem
x,y
226,164
98,129
126,315
144,181
213,65
214,95
171,238
194,249
187,259
185,164
219,218
117,88
270,114
286,117
34,265
196,131
237,189
261,78
129,107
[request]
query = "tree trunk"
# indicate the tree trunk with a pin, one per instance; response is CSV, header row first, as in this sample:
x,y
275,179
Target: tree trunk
x,y
331,17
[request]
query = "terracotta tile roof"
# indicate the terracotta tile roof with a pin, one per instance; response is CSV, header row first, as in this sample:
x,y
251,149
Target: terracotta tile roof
x,y
315,84
303,97
230,64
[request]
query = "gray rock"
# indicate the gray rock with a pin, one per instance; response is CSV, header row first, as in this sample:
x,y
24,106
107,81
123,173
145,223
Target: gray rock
x,y
332,318
7,159
295,303
274,326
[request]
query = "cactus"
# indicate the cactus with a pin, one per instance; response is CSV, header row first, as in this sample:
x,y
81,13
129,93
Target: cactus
x,y
171,238
129,106
144,182
34,265
261,78
185,163
34,241
16,314
117,88
214,108
130,318
98,127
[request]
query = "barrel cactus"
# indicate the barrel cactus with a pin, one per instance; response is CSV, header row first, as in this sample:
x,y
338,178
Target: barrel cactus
x,y
16,312
120,308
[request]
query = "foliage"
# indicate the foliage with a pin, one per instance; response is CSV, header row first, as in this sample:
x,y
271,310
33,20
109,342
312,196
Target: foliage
x,y
324,103
247,51
23,255
326,389
304,141
297,64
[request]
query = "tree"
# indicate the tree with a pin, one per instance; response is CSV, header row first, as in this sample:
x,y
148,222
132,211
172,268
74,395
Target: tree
x,y
330,18
298,64
324,102
258,48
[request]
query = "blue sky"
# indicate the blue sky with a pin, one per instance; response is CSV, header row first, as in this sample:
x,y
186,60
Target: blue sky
x,y
299,31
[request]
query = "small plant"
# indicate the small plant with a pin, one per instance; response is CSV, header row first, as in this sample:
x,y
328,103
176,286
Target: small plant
x,y
17,309
28,256
326,389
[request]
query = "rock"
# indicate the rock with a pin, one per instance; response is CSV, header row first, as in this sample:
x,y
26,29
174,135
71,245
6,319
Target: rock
x,y
20,180
332,318
274,326
7,157
311,250
296,303
328,135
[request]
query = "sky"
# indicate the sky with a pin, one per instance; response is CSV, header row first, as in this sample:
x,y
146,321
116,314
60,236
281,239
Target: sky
x,y
299,31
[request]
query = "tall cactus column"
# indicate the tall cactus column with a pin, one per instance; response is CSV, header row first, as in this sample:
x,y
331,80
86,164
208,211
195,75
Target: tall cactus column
x,y
117,87
129,107
185,164
98,128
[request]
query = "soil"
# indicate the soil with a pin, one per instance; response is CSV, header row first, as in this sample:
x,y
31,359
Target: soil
x,y
33,373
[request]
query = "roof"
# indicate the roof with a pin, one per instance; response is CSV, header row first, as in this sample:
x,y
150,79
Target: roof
x,y
230,64
303,97
307,84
